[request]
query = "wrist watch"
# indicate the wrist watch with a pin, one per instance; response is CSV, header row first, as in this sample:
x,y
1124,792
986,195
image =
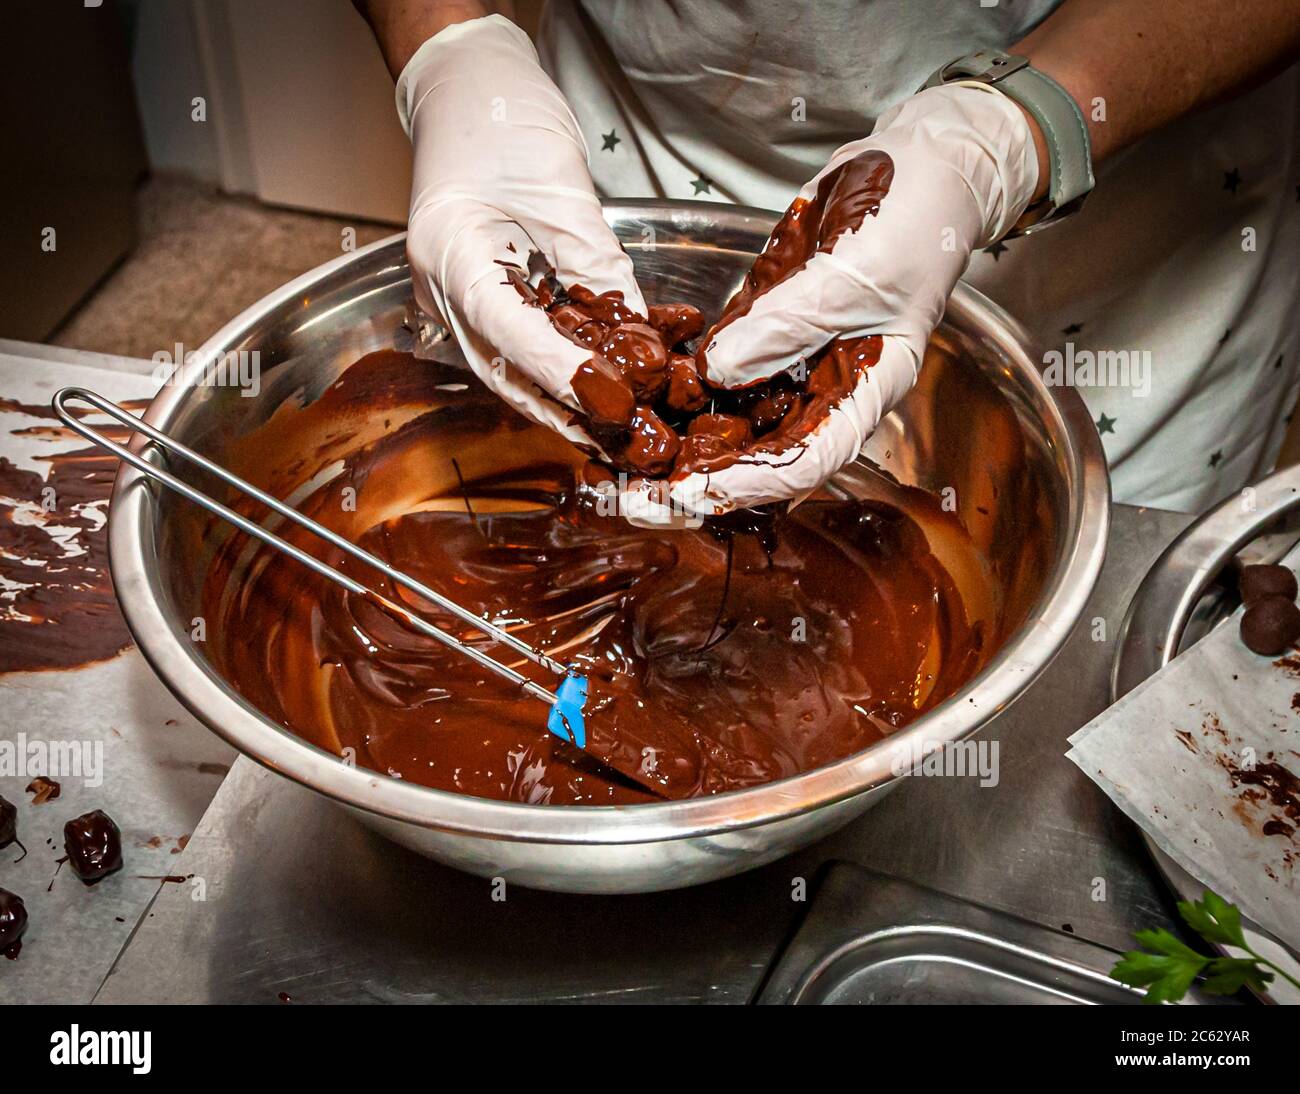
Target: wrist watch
x,y
1058,116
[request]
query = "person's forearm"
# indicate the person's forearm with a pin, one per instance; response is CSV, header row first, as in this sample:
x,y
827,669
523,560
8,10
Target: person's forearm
x,y
1136,65
402,26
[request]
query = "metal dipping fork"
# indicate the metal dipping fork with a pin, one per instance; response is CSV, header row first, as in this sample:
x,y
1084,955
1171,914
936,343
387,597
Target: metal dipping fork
x,y
565,703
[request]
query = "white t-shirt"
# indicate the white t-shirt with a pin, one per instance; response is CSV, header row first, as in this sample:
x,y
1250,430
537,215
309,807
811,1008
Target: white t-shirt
x,y
1187,255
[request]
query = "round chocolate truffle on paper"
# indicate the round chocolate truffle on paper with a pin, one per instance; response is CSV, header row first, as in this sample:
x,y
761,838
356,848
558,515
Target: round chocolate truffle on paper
x,y
1257,582
1271,625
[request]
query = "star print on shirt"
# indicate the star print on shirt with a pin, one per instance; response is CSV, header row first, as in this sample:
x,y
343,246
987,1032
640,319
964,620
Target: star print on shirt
x,y
1216,457
995,249
1231,180
702,184
1105,425
610,139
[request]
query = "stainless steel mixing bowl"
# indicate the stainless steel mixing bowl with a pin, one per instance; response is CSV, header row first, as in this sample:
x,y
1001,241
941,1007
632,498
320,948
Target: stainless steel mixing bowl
x,y
1021,462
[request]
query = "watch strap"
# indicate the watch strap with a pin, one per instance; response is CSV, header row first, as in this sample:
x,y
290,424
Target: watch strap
x,y
1058,116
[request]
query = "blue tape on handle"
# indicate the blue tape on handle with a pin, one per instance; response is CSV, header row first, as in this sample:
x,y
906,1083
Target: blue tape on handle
x,y
565,719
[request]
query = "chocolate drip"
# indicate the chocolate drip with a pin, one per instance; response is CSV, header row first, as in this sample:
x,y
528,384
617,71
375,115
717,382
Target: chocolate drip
x,y
844,199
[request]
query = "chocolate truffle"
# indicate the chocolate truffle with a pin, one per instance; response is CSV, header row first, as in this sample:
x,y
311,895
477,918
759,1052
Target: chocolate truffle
x,y
1271,625
676,322
730,429
1257,582
13,921
93,845
607,307
8,822
640,392
640,354
685,392
651,445
604,394
766,412
568,318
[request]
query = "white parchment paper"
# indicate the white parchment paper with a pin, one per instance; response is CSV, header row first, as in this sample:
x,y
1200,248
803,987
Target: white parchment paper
x,y
1171,755
151,767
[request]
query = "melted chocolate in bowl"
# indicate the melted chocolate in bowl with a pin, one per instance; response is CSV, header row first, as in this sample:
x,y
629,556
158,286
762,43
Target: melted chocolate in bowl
x,y
864,613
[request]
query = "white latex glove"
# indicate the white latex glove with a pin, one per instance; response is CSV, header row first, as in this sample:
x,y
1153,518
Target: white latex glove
x,y
501,172
964,171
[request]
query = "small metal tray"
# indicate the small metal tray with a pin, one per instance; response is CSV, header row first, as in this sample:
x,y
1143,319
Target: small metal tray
x,y
872,938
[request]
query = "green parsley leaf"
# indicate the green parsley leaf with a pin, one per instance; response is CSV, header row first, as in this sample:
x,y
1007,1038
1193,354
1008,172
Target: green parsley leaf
x,y
1214,919
1166,974
1228,975
1168,966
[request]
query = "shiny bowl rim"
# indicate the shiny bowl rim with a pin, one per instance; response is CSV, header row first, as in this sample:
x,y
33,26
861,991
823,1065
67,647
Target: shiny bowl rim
x,y
1025,655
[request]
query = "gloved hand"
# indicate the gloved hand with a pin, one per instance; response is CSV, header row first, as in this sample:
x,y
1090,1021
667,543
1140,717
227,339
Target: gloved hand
x,y
500,173
963,170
